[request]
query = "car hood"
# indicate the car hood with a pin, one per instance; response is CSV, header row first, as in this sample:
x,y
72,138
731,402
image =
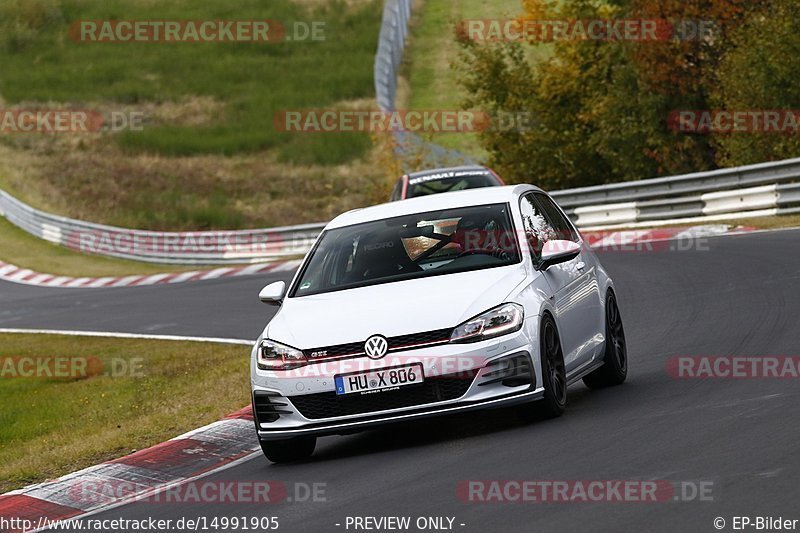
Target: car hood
x,y
391,309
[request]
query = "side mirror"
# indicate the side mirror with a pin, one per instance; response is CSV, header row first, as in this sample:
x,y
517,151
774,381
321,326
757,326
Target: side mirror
x,y
557,252
273,293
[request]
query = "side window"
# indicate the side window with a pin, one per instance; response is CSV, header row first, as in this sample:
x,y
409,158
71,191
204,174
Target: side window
x,y
536,226
558,221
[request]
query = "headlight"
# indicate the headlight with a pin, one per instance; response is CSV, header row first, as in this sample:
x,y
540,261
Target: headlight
x,y
276,356
493,323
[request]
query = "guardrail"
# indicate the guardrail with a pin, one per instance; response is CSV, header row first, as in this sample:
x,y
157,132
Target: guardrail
x,y
752,190
704,195
191,247
391,45
685,184
767,200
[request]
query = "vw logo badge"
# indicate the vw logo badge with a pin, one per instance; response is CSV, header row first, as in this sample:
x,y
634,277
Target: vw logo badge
x,y
376,346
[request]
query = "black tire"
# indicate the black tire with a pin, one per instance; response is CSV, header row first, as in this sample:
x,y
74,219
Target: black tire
x,y
615,361
285,451
554,376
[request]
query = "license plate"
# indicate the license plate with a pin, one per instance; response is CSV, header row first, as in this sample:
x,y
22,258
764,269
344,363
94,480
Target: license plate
x,y
382,380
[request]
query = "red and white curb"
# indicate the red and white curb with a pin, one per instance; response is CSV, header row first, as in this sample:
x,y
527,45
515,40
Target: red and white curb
x,y
638,239
135,477
15,274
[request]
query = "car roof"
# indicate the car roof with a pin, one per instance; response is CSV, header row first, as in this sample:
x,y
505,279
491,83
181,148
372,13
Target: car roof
x,y
432,202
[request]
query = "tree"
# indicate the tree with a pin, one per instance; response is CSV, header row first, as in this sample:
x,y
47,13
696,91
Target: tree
x,y
760,72
601,108
592,123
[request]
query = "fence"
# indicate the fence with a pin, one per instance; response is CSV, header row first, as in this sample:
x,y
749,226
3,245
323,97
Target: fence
x,y
753,190
391,45
193,247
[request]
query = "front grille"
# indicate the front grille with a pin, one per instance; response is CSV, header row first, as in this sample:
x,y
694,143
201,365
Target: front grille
x,y
269,406
329,404
401,342
427,338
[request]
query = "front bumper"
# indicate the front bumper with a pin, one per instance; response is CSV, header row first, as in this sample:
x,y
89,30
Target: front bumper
x,y
366,422
489,374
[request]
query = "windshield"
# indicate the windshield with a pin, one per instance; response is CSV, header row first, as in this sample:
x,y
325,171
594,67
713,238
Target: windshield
x,y
408,247
436,183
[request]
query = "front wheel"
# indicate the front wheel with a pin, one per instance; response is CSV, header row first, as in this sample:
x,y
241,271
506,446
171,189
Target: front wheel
x,y
554,376
615,361
284,451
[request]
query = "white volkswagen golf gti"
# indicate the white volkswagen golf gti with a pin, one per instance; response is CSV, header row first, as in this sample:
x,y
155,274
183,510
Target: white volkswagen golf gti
x,y
466,300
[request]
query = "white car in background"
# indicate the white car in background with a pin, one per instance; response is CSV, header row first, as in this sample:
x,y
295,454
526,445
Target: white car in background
x,y
441,304
441,180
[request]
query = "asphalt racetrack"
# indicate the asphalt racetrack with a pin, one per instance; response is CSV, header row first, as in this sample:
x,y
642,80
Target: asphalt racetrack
x,y
731,296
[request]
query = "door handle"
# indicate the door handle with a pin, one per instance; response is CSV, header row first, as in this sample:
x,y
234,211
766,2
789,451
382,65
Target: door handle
x,y
581,265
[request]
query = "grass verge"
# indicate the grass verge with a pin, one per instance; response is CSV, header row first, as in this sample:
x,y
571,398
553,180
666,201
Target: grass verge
x,y
208,154
783,221
102,185
240,86
52,426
